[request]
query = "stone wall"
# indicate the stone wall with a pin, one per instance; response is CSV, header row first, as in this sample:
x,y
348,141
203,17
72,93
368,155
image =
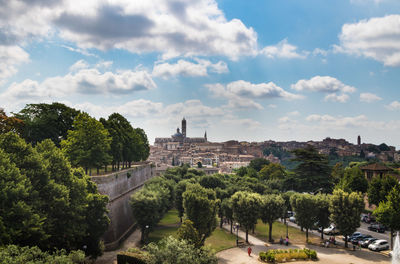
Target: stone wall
x,y
119,186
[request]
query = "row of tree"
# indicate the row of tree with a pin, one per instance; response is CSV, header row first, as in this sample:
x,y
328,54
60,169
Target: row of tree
x,y
86,141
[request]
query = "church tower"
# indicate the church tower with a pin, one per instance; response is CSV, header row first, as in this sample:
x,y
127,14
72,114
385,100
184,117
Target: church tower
x,y
359,140
184,127
205,136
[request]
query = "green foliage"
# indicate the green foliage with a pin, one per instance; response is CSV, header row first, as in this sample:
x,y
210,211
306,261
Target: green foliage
x,y
379,188
258,163
272,171
353,181
271,208
383,147
313,171
346,209
212,182
306,210
337,172
388,213
46,121
322,211
88,144
287,255
10,123
12,254
201,208
175,251
133,256
56,206
246,207
188,232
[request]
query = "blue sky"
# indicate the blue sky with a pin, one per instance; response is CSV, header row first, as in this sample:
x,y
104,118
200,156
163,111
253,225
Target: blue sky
x,y
245,70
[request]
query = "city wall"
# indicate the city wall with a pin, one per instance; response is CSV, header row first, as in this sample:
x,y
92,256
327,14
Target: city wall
x,y
119,186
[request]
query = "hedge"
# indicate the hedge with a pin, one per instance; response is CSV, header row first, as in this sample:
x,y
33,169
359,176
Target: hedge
x,y
283,255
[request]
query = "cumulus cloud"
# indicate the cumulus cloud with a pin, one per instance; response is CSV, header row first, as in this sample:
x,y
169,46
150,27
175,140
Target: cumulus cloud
x,y
369,97
79,65
377,38
325,84
395,105
82,81
187,68
240,93
10,57
283,50
341,98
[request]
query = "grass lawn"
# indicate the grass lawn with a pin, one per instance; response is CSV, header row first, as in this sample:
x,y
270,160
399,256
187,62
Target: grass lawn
x,y
279,229
219,240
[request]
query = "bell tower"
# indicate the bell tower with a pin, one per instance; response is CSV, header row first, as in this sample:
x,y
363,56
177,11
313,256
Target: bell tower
x,y
184,127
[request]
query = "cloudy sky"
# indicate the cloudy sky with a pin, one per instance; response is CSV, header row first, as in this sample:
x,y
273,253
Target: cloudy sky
x,y
246,70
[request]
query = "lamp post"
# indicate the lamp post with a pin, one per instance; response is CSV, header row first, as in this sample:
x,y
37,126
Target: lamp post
x,y
146,233
287,229
237,234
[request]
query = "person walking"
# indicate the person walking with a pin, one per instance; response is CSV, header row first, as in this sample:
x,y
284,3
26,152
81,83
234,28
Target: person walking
x,y
249,251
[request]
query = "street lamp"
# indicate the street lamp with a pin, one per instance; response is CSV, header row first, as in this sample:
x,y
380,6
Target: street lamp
x,y
237,234
146,233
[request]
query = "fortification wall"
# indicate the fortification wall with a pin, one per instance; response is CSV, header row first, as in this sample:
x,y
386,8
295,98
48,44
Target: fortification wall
x,y
119,186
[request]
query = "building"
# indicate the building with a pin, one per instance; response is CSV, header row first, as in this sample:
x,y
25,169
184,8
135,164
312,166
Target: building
x,y
179,139
375,170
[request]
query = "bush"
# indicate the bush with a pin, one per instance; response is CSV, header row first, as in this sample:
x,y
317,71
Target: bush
x,y
283,255
132,256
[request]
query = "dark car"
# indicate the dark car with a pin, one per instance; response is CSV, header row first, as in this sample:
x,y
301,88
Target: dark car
x,y
368,219
356,240
377,228
367,241
356,234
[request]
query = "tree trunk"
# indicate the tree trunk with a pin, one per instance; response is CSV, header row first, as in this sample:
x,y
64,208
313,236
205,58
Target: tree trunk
x,y
142,236
253,229
301,228
98,170
345,242
391,238
306,235
221,222
247,235
86,170
322,232
90,172
231,226
270,232
105,168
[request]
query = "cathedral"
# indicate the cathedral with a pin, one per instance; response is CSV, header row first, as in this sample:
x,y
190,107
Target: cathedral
x,y
179,138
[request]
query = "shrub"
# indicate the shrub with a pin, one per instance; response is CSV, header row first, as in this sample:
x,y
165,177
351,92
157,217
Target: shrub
x,y
282,255
132,256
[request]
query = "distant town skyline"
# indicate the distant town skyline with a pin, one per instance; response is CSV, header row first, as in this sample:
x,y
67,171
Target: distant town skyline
x,y
240,70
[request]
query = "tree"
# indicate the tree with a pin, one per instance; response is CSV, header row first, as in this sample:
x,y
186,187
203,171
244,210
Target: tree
x,y
227,210
272,171
199,165
313,171
212,181
379,188
10,124
337,172
388,212
67,210
305,207
179,190
245,206
346,209
353,181
88,144
46,121
322,209
258,163
201,208
142,143
271,208
187,232
170,250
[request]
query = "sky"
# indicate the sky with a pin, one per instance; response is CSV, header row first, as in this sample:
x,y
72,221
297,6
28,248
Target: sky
x,y
243,70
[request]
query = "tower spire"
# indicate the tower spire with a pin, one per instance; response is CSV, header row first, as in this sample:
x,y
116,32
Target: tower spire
x,y
184,127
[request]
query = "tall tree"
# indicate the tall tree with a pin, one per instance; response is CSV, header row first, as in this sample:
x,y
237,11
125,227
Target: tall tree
x,y
337,172
346,209
227,211
10,123
272,171
322,211
271,208
246,207
258,163
46,121
313,171
353,181
87,145
388,212
306,211
201,208
379,188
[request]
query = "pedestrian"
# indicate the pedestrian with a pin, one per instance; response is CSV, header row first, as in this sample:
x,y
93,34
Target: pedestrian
x,y
281,241
287,241
249,251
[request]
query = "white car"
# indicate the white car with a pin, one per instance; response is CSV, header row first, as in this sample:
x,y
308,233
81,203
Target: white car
x,y
331,230
379,245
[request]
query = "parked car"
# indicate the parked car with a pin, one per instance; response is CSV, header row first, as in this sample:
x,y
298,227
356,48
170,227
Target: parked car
x,y
368,219
289,214
355,234
292,219
379,245
367,241
357,239
331,230
377,228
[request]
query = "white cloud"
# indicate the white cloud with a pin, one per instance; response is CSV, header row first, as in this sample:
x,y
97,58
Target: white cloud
x,y
187,68
79,65
283,50
10,57
244,123
240,93
325,84
341,98
319,51
83,81
272,106
377,38
369,97
395,105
